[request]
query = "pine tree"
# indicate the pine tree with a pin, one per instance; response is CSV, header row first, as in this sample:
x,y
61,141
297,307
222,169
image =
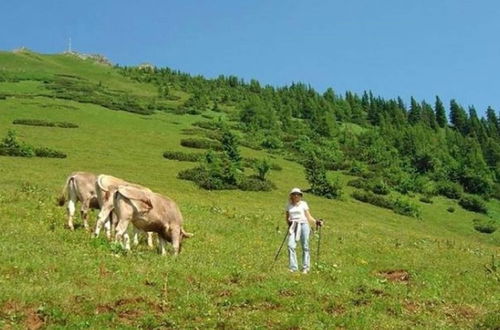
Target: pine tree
x,y
440,113
415,113
493,124
458,117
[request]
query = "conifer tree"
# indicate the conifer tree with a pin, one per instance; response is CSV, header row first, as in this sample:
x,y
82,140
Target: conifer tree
x,y
458,117
440,113
415,113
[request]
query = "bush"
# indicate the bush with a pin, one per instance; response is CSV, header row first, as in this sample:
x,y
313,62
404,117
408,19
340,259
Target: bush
x,y
201,144
477,184
380,187
358,183
204,179
371,198
49,153
406,207
485,226
254,183
262,167
451,209
473,203
358,169
426,199
320,185
41,122
449,189
183,156
10,146
272,142
210,125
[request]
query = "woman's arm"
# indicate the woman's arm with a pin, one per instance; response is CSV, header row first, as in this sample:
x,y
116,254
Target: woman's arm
x,y
287,218
311,220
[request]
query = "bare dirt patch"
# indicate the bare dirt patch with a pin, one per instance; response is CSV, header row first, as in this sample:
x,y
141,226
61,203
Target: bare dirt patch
x,y
34,320
396,275
14,310
128,310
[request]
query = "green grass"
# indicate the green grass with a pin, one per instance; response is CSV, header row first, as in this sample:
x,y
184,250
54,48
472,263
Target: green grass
x,y
223,276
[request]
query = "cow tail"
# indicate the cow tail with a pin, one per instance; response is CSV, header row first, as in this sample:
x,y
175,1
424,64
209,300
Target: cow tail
x,y
185,234
62,199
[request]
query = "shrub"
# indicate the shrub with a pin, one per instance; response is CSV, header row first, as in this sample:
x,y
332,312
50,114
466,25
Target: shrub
x,y
320,185
496,191
201,144
380,187
182,156
426,199
371,198
473,203
10,146
476,184
358,183
406,207
451,209
206,124
254,183
449,189
485,226
41,122
358,168
49,153
272,142
262,167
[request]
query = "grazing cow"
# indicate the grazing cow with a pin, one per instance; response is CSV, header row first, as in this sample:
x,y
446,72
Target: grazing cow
x,y
148,211
79,187
105,187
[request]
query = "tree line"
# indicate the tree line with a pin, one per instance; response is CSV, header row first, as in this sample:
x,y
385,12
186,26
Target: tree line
x,y
420,147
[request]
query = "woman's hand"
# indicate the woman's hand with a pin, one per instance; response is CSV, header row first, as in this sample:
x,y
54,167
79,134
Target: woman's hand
x,y
319,222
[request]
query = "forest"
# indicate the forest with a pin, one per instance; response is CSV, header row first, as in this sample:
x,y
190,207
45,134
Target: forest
x,y
421,147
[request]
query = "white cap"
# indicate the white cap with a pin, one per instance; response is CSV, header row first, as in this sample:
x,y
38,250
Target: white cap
x,y
296,191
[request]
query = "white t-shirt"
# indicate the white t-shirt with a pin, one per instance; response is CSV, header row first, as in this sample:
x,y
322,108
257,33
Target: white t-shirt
x,y
297,212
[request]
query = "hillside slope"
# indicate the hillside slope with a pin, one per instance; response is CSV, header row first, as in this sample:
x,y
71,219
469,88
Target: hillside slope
x,y
225,275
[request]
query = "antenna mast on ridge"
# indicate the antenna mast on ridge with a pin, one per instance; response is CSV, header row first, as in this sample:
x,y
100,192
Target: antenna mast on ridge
x,y
69,45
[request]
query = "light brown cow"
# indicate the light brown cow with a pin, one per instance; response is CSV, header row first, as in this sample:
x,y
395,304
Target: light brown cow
x,y
148,211
105,187
79,187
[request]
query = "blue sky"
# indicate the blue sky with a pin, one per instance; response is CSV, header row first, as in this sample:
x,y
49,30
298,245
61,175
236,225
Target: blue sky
x,y
423,48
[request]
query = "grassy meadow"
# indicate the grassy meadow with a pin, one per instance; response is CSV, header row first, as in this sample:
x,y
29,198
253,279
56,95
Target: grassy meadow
x,y
447,274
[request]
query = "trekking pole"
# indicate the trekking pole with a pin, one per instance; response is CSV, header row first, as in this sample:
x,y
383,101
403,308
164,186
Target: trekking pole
x,y
281,246
318,228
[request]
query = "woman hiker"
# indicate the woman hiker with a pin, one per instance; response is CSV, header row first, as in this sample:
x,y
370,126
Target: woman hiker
x,y
297,216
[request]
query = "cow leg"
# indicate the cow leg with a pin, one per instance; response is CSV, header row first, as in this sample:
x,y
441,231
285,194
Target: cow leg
x,y
84,212
162,246
113,222
150,239
107,228
103,219
176,241
71,212
136,235
121,233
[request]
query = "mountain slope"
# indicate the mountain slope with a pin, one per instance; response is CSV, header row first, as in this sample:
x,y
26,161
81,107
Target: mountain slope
x,y
224,276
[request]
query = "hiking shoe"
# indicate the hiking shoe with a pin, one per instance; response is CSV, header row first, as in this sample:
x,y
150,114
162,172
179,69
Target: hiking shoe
x,y
305,271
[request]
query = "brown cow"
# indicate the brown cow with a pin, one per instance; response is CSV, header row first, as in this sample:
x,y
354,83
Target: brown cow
x,y
148,211
79,187
105,187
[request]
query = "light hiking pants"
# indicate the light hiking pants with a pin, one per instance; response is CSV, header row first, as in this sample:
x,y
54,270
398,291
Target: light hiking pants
x,y
292,244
